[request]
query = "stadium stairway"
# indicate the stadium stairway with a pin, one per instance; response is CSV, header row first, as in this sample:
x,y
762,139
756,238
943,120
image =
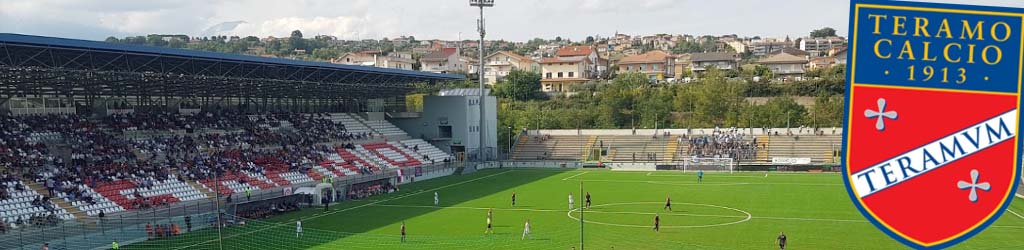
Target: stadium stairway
x,y
671,148
589,146
59,202
762,150
363,122
204,190
519,148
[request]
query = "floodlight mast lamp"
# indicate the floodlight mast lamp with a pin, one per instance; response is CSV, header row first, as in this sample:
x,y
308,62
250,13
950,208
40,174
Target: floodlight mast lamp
x,y
480,70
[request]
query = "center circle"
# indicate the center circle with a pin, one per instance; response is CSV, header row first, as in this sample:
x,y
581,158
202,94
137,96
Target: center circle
x,y
739,218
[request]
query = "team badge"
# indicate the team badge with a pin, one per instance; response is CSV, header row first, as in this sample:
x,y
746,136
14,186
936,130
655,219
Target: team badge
x,y
931,147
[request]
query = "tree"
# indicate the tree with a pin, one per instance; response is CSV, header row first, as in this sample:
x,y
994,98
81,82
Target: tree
x,y
558,39
111,39
519,85
590,40
823,32
296,40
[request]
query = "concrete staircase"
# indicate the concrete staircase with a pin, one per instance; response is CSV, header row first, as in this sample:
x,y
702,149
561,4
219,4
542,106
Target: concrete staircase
x,y
202,189
762,152
671,148
589,147
519,142
39,188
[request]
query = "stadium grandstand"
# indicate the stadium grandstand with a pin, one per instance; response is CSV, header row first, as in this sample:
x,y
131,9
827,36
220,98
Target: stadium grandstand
x,y
97,139
745,148
119,146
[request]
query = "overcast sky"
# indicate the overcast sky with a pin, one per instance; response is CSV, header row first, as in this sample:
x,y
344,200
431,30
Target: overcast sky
x,y
517,20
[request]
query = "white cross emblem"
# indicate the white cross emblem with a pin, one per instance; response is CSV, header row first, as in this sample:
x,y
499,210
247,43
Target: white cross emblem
x,y
881,114
974,186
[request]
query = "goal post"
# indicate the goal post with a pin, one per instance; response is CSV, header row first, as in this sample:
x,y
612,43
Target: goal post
x,y
708,165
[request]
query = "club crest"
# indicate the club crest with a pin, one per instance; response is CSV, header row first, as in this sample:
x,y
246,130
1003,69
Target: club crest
x,y
931,152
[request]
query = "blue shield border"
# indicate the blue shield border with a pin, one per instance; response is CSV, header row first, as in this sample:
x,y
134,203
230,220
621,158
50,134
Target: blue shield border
x,y
847,116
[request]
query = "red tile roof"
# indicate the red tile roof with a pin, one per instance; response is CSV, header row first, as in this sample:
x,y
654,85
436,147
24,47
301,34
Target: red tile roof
x,y
548,60
656,56
574,51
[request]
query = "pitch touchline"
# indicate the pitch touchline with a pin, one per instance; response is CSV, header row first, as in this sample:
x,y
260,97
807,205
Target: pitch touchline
x,y
351,208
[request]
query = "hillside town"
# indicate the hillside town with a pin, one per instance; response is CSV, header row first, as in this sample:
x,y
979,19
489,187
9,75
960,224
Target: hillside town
x,y
562,63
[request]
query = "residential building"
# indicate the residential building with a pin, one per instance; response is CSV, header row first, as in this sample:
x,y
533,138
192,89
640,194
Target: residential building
x,y
396,60
559,74
445,60
819,46
820,62
699,62
571,52
498,64
656,64
737,46
469,65
682,66
768,46
839,56
785,66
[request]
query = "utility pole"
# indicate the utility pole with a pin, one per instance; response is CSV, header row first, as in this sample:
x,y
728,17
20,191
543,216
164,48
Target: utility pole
x,y
480,70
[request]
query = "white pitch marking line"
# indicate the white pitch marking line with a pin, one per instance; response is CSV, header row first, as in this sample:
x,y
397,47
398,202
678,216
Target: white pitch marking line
x,y
633,213
562,210
574,176
347,209
745,218
1014,213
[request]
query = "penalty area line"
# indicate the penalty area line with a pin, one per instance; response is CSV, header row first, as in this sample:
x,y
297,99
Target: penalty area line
x,y
574,176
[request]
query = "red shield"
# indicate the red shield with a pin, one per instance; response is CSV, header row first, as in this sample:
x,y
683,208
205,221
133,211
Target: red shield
x,y
931,146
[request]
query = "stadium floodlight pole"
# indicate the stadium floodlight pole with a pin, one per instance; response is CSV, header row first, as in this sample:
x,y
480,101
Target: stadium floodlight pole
x,y
220,234
581,215
480,70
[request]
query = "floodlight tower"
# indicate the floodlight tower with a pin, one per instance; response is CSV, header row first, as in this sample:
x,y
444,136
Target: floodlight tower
x,y
480,28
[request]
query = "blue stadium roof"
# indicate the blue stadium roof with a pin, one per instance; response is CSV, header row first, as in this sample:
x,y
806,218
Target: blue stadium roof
x,y
35,65
197,54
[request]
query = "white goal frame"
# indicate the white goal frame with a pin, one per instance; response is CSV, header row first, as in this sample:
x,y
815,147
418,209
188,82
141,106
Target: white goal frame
x,y
709,164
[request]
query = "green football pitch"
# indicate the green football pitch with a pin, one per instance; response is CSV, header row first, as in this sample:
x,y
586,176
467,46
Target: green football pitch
x,y
726,211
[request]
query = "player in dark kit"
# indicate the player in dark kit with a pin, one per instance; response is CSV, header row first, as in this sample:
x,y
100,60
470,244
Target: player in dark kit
x,y
513,199
588,200
782,241
657,223
403,232
668,204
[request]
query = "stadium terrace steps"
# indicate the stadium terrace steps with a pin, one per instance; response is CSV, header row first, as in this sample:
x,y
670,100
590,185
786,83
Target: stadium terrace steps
x,y
391,154
20,203
671,148
762,149
313,173
519,145
816,147
432,153
206,192
555,147
590,145
626,146
355,161
362,121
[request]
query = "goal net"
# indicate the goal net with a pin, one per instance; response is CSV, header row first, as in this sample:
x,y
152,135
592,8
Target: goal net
x,y
707,164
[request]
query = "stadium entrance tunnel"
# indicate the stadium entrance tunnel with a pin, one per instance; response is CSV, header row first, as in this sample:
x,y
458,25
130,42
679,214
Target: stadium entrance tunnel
x,y
641,214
